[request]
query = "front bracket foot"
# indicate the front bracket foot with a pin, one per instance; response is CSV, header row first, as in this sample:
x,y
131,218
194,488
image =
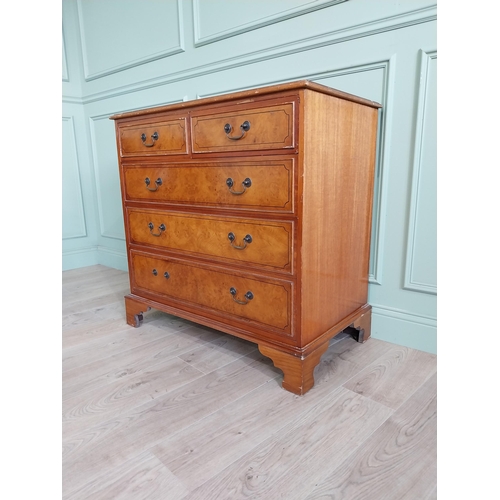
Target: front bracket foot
x,y
298,371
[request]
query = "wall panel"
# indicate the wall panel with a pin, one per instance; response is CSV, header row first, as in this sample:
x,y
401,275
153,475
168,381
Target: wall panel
x,y
219,19
73,215
421,263
119,34
107,178
65,74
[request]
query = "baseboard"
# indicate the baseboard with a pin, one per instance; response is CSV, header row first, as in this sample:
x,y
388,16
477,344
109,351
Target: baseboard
x,y
80,258
112,258
404,328
93,256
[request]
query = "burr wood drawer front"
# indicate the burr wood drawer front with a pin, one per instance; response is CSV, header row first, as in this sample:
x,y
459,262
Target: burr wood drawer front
x,y
244,128
233,240
160,137
235,296
263,185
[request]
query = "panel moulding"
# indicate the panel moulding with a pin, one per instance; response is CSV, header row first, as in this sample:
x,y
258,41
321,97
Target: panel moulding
x,y
359,31
82,233
65,74
98,183
307,7
409,282
89,76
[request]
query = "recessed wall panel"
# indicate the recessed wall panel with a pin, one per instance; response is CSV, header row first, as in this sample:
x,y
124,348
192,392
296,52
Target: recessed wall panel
x,y
421,261
73,214
120,34
107,177
219,19
65,75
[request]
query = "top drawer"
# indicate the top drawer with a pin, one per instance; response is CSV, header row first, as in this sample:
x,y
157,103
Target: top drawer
x,y
244,129
165,137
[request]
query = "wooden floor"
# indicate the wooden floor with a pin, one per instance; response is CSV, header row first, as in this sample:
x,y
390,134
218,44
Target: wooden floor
x,y
171,410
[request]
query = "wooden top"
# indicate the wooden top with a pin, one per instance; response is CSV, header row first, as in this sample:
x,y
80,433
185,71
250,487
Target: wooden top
x,y
297,85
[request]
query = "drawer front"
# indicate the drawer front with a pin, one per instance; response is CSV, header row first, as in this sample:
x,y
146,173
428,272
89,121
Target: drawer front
x,y
262,185
266,302
264,128
264,243
167,137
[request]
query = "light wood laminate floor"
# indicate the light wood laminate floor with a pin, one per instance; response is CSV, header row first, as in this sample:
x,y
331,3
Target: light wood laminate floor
x,y
172,410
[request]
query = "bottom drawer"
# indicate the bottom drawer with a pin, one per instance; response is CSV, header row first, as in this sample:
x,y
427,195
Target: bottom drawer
x,y
260,300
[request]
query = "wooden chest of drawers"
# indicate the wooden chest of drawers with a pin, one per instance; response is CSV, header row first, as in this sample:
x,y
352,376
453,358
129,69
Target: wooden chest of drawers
x,y
250,213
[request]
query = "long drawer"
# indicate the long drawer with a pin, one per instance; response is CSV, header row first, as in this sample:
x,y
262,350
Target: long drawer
x,y
234,296
261,185
244,127
259,242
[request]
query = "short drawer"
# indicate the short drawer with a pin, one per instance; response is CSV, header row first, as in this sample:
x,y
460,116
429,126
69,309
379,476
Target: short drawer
x,y
264,128
266,302
165,137
259,242
260,185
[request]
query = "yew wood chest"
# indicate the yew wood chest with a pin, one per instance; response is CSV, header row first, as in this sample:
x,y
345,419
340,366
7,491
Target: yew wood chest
x,y
250,213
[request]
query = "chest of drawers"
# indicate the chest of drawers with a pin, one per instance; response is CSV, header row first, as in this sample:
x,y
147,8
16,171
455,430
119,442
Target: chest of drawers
x,y
250,213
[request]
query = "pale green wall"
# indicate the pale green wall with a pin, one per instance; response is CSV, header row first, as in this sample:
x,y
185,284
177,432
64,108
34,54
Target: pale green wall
x,y
120,55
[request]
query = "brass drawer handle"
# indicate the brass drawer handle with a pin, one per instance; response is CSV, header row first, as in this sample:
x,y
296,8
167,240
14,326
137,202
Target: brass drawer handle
x,y
248,295
154,137
247,239
245,127
158,183
161,227
246,184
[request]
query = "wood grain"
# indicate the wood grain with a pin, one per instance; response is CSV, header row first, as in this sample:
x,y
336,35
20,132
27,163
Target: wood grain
x,y
217,354
142,478
271,127
109,343
276,468
412,368
204,183
105,402
398,462
229,433
207,237
169,414
339,164
171,138
211,288
124,364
